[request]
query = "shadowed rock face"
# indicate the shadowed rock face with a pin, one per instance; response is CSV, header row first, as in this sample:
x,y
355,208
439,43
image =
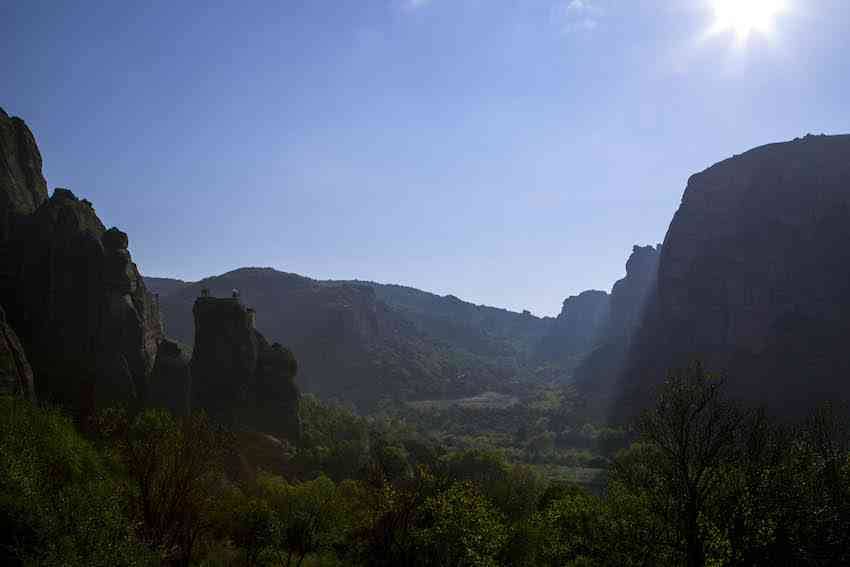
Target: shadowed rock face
x,y
598,372
22,186
578,328
15,371
80,307
237,377
629,295
754,277
169,385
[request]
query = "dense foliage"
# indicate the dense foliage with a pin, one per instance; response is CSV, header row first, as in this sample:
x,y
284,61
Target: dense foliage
x,y
707,482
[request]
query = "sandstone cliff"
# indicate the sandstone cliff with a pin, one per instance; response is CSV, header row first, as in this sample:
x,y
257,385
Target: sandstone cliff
x,y
237,376
170,382
22,186
577,329
76,299
600,370
754,277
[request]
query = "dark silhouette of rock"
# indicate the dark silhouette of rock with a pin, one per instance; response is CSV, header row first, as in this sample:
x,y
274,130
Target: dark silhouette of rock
x,y
169,385
754,278
237,377
79,306
275,404
599,370
22,186
577,330
629,294
15,372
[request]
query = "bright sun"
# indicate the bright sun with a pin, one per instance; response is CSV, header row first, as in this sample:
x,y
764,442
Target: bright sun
x,y
745,17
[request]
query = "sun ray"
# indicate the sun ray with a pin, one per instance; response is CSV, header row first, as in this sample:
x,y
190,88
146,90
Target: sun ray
x,y
746,17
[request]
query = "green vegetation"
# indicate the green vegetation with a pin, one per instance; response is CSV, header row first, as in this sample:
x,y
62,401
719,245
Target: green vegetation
x,y
706,482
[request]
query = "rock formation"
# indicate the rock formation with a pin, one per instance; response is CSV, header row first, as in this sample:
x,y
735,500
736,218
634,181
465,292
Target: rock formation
x,y
629,294
22,186
349,344
237,377
79,306
599,370
15,372
754,278
169,385
577,330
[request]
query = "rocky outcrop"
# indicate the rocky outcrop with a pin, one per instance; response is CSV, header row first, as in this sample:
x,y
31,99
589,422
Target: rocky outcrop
x,y
15,372
22,185
578,328
275,407
629,294
754,277
80,306
237,377
169,385
600,369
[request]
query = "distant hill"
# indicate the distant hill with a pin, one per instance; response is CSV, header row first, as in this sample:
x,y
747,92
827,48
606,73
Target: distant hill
x,y
164,286
362,341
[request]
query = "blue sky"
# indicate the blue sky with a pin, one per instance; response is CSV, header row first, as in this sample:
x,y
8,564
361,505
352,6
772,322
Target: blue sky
x,y
510,153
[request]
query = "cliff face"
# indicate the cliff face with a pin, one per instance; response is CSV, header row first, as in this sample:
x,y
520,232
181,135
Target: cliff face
x,y
629,294
15,372
22,186
754,277
600,369
169,385
237,376
578,328
76,299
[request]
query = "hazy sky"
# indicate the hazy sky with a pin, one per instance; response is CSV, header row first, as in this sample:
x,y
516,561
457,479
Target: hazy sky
x,y
510,153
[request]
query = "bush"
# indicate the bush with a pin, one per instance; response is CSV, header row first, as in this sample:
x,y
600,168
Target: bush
x,y
59,505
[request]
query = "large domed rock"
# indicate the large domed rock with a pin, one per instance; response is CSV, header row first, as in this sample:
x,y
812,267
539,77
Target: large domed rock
x,y
77,300
754,277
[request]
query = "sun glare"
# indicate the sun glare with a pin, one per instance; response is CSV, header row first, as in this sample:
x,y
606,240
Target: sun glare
x,y
745,17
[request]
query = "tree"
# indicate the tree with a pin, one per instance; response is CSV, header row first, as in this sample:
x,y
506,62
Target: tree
x,y
310,514
60,504
695,431
255,528
459,527
574,530
176,467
